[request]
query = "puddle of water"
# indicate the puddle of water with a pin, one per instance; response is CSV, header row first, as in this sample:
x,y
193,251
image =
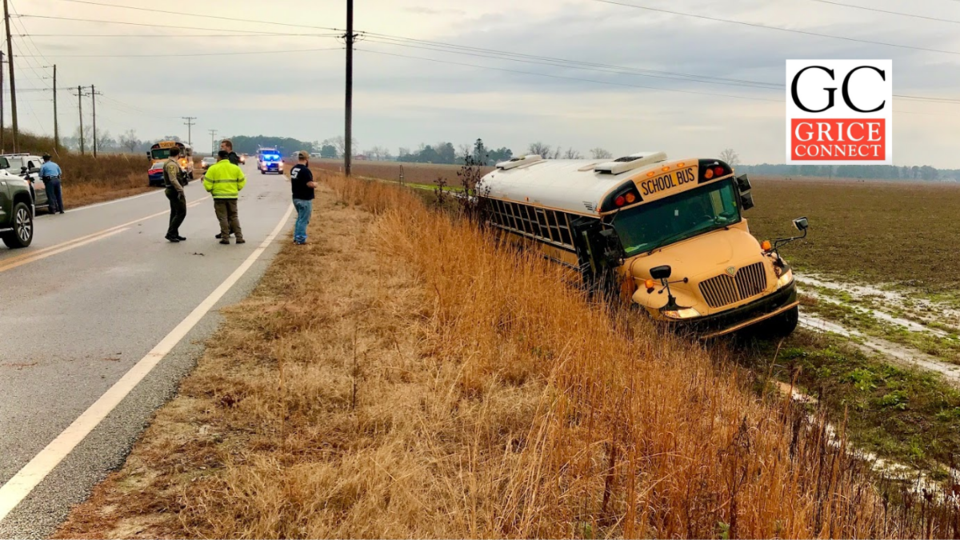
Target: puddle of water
x,y
891,470
927,310
912,326
899,353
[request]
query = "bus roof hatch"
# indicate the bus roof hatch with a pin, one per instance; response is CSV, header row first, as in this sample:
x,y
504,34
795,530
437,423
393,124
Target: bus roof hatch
x,y
519,161
628,163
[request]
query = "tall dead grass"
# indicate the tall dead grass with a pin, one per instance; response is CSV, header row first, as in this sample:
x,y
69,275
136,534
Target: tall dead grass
x,y
404,376
88,179
635,432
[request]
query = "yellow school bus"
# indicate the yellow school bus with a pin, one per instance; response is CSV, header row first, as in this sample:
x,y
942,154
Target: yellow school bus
x,y
667,235
160,152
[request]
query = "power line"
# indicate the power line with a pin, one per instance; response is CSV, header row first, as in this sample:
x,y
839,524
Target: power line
x,y
909,97
559,62
218,17
758,25
589,66
148,25
233,53
28,38
902,14
173,36
612,83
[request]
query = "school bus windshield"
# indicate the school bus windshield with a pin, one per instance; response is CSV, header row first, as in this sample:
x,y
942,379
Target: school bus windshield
x,y
649,226
160,153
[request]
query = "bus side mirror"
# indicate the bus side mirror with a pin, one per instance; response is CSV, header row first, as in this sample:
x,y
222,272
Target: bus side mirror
x,y
661,272
746,200
801,224
743,183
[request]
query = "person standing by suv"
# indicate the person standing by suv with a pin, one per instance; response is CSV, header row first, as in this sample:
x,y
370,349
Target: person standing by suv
x,y
301,181
174,192
50,173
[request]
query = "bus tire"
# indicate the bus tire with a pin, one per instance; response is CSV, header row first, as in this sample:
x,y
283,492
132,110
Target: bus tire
x,y
784,324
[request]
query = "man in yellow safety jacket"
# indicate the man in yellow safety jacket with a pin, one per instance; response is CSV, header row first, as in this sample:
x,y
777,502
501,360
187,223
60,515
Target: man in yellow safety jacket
x,y
224,180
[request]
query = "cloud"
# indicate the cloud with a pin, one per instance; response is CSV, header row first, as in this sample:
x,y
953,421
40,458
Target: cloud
x,y
691,99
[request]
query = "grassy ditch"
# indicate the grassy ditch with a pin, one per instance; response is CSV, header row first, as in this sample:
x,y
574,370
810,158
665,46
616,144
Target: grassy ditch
x,y
906,415
404,376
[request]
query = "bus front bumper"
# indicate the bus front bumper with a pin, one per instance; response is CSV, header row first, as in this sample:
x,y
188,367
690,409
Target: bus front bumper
x,y
712,326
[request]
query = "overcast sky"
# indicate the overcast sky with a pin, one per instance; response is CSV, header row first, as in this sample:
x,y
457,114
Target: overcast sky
x,y
443,96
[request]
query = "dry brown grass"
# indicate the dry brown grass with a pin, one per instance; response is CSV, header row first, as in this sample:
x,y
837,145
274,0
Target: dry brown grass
x,y
403,376
413,173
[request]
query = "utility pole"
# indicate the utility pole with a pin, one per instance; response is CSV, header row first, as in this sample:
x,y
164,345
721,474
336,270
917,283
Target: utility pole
x,y
213,142
2,123
80,108
189,123
13,80
348,106
56,126
93,101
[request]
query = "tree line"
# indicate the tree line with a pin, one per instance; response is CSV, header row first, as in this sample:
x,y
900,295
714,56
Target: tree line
x,y
878,172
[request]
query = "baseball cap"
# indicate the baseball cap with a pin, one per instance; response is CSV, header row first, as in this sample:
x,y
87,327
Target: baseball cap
x,y
46,156
303,154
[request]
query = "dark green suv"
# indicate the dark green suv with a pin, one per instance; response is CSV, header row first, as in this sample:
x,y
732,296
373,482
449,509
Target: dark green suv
x,y
16,211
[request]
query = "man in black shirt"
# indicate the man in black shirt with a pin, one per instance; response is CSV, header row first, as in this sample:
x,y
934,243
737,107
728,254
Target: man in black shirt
x,y
227,146
301,181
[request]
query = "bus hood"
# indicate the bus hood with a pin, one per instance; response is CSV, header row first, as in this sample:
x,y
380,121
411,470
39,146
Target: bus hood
x,y
702,256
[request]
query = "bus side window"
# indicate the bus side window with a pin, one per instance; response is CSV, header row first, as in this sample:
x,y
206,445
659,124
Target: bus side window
x,y
498,216
565,228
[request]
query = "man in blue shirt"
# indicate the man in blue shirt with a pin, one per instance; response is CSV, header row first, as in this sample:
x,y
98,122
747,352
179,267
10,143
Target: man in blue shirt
x,y
50,174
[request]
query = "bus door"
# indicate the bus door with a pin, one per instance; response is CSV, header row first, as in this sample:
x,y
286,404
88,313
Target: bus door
x,y
599,251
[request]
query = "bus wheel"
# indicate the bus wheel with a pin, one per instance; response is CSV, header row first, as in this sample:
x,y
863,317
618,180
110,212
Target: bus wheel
x,y
784,324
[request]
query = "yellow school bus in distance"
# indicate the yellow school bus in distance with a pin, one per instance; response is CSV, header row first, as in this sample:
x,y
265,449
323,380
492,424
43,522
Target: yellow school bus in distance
x,y
160,152
669,235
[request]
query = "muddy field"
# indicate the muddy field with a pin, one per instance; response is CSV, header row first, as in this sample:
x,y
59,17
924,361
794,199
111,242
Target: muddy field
x,y
878,232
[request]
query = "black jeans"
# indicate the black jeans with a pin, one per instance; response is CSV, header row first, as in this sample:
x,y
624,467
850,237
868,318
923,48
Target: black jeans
x,y
178,211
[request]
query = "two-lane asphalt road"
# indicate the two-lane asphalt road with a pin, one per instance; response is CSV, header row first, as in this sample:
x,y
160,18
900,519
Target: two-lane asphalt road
x,y
99,320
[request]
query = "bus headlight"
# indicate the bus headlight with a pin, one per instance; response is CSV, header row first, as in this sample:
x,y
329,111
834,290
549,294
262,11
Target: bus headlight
x,y
684,313
785,279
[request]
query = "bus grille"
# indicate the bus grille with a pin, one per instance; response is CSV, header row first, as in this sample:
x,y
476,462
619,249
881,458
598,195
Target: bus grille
x,y
725,289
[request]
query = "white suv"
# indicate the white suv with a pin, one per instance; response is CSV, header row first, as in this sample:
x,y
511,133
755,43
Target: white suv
x,y
27,166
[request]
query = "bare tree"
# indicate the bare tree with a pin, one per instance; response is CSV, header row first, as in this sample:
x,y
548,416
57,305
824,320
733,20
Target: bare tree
x,y
600,153
129,140
339,143
543,150
556,153
730,156
377,153
572,154
464,150
105,141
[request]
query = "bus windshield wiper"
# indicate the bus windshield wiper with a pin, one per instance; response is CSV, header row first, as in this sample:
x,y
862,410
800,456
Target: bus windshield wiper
x,y
670,239
686,234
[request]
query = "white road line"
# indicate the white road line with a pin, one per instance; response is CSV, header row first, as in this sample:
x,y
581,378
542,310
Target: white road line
x,y
30,256
124,199
30,476
51,252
